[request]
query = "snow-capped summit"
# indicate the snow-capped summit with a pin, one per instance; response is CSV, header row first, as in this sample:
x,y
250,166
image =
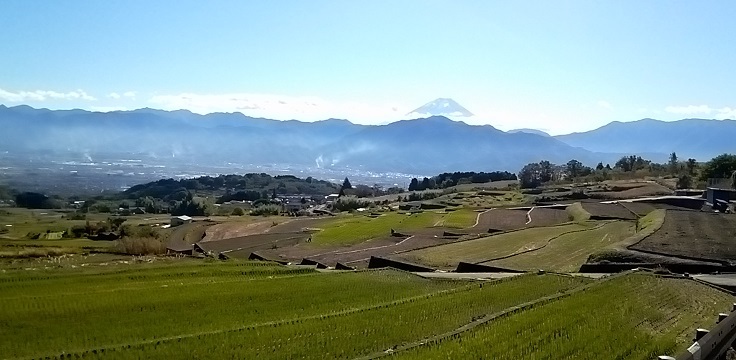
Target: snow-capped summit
x,y
442,107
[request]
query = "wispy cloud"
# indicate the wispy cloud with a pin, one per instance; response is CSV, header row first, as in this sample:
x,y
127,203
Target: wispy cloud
x,y
689,110
280,106
117,96
43,95
716,113
604,104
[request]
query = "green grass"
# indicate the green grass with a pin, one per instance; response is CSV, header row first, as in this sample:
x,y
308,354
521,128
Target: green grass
x,y
188,308
491,247
568,252
460,219
382,309
651,222
355,229
50,312
633,317
618,251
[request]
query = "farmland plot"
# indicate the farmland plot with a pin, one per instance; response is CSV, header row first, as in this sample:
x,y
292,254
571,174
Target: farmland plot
x,y
568,252
51,312
491,247
633,317
352,230
694,234
359,330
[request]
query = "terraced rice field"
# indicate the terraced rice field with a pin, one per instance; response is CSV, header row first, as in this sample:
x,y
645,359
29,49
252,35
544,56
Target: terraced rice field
x,y
193,309
568,252
258,310
632,317
492,247
355,229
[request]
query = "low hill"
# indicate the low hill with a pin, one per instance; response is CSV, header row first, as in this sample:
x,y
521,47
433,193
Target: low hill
x,y
233,187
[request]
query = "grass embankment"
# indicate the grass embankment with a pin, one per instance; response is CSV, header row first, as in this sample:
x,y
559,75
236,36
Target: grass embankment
x,y
180,312
348,230
633,317
492,247
619,252
19,249
484,199
577,212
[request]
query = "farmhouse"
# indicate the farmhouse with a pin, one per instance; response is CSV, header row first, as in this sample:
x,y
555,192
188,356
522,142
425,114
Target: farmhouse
x,y
180,220
720,194
180,248
293,205
331,198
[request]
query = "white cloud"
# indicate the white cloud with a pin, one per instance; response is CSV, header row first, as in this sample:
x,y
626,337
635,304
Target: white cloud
x,y
604,104
281,107
43,95
117,96
689,110
715,113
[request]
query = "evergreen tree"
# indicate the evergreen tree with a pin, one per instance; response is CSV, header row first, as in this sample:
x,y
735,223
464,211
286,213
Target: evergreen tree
x,y
414,184
346,184
425,183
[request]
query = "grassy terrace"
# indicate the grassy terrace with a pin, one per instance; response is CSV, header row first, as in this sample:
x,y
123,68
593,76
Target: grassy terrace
x,y
350,230
257,310
48,312
633,317
568,252
492,247
211,309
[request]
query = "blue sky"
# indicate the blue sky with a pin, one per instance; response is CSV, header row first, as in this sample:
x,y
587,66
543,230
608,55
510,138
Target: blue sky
x,y
560,66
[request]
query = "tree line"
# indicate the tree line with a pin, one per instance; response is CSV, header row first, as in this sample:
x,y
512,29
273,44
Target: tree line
x,y
688,172
446,180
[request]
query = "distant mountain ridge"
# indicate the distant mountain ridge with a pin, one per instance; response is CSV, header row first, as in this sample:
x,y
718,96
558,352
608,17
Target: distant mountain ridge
x,y
428,145
701,139
528,131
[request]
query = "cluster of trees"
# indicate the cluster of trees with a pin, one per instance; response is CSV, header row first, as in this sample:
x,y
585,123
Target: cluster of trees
x,y
535,174
189,206
446,180
34,200
687,171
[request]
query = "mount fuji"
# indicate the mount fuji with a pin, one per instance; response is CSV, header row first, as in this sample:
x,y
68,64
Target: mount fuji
x,y
441,107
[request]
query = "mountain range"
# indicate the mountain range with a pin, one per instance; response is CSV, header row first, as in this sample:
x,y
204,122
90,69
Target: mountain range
x,y
418,146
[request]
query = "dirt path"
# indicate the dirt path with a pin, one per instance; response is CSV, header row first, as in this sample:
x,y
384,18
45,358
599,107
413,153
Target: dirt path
x,y
529,216
477,218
